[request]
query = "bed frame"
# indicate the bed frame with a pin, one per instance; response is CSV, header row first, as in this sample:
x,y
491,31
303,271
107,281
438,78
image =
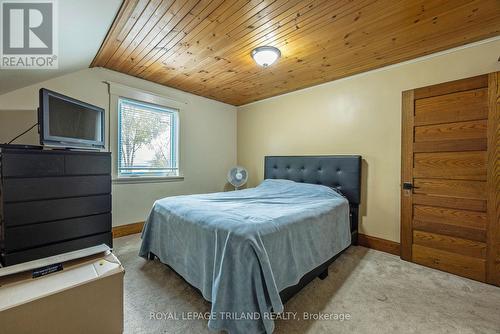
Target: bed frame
x,y
341,172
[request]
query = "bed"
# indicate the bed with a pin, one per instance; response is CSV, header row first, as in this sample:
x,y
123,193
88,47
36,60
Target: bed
x,y
249,251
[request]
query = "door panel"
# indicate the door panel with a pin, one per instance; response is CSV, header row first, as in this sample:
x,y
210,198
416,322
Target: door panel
x,y
451,244
451,131
470,233
449,202
481,81
452,165
477,144
451,188
454,263
465,218
461,106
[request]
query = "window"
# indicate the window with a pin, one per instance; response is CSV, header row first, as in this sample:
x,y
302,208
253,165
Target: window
x,y
147,140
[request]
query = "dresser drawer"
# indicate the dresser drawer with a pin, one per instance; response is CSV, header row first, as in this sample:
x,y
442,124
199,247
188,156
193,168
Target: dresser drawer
x,y
22,213
9,259
35,235
89,164
32,165
26,189
53,163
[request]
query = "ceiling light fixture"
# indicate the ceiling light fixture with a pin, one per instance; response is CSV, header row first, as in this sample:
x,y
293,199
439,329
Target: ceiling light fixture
x,y
265,55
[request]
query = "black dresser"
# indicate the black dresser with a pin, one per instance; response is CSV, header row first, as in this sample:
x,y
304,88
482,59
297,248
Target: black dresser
x,y
53,202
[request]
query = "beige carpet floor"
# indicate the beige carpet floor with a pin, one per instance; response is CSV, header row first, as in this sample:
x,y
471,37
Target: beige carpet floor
x,y
381,294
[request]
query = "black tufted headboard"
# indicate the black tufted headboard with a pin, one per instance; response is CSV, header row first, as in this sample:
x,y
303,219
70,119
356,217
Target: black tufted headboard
x,y
342,172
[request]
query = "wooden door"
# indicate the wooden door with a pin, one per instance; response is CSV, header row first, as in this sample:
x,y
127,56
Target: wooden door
x,y
450,207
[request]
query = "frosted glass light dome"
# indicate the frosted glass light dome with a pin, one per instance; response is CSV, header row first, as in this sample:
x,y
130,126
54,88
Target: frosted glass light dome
x,y
265,55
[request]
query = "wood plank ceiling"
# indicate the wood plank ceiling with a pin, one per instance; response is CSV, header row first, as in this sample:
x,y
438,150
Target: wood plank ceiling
x,y
203,46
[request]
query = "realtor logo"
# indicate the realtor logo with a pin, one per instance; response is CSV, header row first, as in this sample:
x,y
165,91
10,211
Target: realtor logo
x,y
29,39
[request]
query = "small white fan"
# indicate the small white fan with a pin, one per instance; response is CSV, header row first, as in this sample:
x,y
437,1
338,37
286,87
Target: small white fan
x,y
237,176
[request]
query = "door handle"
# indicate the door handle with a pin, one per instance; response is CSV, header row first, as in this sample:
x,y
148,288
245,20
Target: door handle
x,y
408,186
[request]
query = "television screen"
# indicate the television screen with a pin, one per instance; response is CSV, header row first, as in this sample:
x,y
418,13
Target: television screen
x,y
66,122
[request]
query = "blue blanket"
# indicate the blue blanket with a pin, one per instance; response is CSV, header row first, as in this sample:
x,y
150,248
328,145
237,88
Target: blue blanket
x,y
241,248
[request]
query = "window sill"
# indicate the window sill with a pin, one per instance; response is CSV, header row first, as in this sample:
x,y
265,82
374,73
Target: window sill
x,y
147,179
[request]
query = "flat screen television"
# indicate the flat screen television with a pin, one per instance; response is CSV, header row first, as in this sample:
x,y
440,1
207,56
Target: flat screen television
x,y
69,123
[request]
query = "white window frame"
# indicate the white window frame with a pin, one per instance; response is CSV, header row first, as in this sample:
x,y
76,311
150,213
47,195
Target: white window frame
x,y
174,137
117,91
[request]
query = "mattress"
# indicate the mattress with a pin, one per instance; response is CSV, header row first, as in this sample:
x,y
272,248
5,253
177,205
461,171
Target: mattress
x,y
241,248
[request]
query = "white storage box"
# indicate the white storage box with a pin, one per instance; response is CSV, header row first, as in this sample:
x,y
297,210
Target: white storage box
x,y
85,297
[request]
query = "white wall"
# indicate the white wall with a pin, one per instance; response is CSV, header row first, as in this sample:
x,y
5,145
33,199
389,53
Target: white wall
x,y
356,115
207,136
